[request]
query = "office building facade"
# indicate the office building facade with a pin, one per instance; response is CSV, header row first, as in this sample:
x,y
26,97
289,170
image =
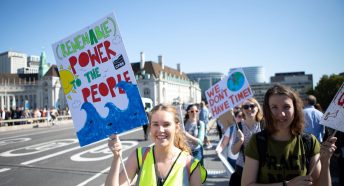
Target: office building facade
x,y
205,80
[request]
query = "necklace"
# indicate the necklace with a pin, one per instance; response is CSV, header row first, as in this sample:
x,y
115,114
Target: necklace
x,y
161,178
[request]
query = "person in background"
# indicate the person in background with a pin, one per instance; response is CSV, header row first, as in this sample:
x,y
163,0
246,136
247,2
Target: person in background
x,y
328,130
167,162
2,114
36,114
318,107
53,114
251,124
284,160
228,139
219,128
194,131
145,126
204,116
339,156
8,115
16,114
313,118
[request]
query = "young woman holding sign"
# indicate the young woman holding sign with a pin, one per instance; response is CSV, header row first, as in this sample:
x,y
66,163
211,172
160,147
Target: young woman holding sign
x,y
167,162
253,115
281,154
227,140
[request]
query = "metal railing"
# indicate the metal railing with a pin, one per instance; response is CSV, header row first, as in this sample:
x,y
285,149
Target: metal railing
x,y
25,121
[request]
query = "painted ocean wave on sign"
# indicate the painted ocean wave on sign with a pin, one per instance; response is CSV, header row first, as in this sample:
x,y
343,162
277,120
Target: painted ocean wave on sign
x,y
97,127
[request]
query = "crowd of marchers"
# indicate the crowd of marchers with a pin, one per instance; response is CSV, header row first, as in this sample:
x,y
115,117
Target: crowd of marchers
x,y
279,143
32,115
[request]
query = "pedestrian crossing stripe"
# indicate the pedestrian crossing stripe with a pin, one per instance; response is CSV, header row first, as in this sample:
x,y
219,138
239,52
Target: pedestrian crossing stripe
x,y
216,172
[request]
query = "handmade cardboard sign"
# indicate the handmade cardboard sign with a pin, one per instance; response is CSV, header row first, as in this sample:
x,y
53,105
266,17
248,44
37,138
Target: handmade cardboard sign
x,y
226,119
98,82
228,93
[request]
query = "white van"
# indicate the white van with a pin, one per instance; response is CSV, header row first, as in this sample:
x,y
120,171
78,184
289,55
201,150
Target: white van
x,y
147,104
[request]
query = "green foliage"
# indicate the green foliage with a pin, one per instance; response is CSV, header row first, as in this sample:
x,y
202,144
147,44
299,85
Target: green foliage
x,y
327,88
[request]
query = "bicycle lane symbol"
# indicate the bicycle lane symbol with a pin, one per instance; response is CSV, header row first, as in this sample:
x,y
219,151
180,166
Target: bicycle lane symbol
x,y
34,149
100,152
13,140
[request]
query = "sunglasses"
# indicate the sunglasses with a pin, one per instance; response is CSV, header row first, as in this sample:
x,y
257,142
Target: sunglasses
x,y
194,111
237,114
246,107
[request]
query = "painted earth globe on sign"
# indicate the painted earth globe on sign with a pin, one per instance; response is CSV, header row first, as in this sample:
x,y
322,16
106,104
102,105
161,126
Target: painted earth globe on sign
x,y
236,81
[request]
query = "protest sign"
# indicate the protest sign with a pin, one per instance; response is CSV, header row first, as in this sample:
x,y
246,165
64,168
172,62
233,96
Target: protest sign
x,y
228,93
229,169
226,119
98,82
334,115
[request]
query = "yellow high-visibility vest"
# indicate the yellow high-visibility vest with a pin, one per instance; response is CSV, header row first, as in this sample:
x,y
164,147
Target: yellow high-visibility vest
x,y
179,175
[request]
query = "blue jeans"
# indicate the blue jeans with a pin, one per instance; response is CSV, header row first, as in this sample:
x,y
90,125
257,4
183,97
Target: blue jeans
x,y
232,162
198,154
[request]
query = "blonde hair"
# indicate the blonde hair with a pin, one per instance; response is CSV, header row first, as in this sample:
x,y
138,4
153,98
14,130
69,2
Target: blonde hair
x,y
259,115
179,139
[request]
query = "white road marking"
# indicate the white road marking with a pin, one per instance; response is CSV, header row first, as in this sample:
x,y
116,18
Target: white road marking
x,y
13,140
101,152
97,175
4,169
37,148
32,134
50,156
71,149
101,172
93,177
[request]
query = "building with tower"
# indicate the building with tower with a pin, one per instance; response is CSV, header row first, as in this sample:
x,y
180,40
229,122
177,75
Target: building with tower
x,y
155,80
33,85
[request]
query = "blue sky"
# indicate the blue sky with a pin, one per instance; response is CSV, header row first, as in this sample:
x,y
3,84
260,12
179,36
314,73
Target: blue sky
x,y
201,35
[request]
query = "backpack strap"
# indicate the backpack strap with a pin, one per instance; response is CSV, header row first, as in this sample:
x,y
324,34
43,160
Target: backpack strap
x,y
262,146
308,146
261,138
240,125
262,125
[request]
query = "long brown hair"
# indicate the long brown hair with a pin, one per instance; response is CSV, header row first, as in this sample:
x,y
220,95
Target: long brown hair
x,y
179,139
297,124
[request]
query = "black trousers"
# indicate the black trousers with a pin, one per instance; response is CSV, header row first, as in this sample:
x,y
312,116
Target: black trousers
x,y
236,177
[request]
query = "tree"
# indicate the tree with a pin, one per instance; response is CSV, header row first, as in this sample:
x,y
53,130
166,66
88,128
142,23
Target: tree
x,y
327,88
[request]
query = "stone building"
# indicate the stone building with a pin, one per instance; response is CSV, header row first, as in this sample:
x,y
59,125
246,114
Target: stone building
x,y
164,84
29,89
156,81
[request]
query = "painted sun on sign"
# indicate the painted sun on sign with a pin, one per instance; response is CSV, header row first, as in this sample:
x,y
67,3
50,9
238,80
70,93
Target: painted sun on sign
x,y
69,81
